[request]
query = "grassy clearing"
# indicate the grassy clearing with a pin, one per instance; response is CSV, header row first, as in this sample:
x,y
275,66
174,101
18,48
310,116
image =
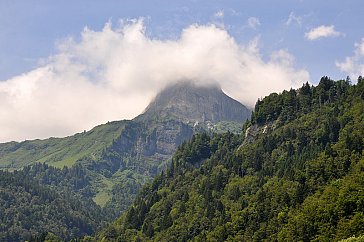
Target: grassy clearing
x,y
102,198
104,192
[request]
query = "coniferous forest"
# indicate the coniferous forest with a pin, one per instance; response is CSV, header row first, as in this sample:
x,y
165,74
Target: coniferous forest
x,y
296,173
42,199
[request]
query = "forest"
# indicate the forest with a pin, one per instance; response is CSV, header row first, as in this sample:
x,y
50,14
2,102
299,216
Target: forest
x,y
296,173
42,199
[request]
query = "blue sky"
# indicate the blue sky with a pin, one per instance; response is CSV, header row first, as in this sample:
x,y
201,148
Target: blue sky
x,y
66,66
30,29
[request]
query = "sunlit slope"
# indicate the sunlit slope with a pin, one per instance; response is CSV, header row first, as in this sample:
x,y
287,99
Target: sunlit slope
x,y
60,152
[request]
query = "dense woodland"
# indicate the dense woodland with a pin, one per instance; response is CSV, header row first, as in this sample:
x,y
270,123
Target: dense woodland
x,y
40,199
299,178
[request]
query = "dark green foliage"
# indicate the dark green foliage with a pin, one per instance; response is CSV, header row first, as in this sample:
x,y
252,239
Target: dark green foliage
x,y
300,178
30,206
291,104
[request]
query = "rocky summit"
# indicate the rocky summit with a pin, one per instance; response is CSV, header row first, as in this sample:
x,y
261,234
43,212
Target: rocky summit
x,y
189,102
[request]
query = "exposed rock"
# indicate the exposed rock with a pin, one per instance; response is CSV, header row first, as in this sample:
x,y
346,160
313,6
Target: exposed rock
x,y
255,130
190,103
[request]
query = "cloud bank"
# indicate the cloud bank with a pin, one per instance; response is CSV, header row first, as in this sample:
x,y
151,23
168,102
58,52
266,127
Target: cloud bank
x,y
113,74
322,32
354,65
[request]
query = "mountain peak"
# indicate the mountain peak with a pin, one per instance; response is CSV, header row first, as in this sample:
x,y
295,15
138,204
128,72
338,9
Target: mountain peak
x,y
189,102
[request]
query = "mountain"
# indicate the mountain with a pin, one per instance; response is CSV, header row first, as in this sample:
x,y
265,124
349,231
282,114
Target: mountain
x,y
296,173
115,159
182,103
188,102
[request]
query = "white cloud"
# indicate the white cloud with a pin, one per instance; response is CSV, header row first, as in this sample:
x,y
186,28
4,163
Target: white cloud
x,y
292,18
354,65
253,22
322,32
113,74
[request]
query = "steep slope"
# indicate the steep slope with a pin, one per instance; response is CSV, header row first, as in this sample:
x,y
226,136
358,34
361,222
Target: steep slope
x,y
59,152
190,103
299,177
146,144
113,160
141,151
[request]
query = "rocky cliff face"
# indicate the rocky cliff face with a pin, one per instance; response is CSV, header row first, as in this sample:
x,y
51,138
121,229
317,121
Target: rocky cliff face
x,y
171,118
188,102
148,142
146,146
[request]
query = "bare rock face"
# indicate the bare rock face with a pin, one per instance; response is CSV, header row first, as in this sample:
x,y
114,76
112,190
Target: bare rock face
x,y
170,119
188,103
147,143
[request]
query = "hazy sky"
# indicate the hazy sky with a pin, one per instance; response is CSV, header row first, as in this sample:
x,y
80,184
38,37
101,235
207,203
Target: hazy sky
x,y
66,66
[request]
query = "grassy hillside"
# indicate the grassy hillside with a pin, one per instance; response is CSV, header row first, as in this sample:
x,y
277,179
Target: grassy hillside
x,y
297,174
60,152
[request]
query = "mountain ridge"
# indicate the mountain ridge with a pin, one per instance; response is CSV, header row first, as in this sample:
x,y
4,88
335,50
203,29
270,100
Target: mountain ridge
x,y
164,106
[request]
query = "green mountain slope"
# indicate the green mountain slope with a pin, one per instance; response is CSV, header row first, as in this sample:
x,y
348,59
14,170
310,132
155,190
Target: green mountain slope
x,y
113,160
296,174
59,152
